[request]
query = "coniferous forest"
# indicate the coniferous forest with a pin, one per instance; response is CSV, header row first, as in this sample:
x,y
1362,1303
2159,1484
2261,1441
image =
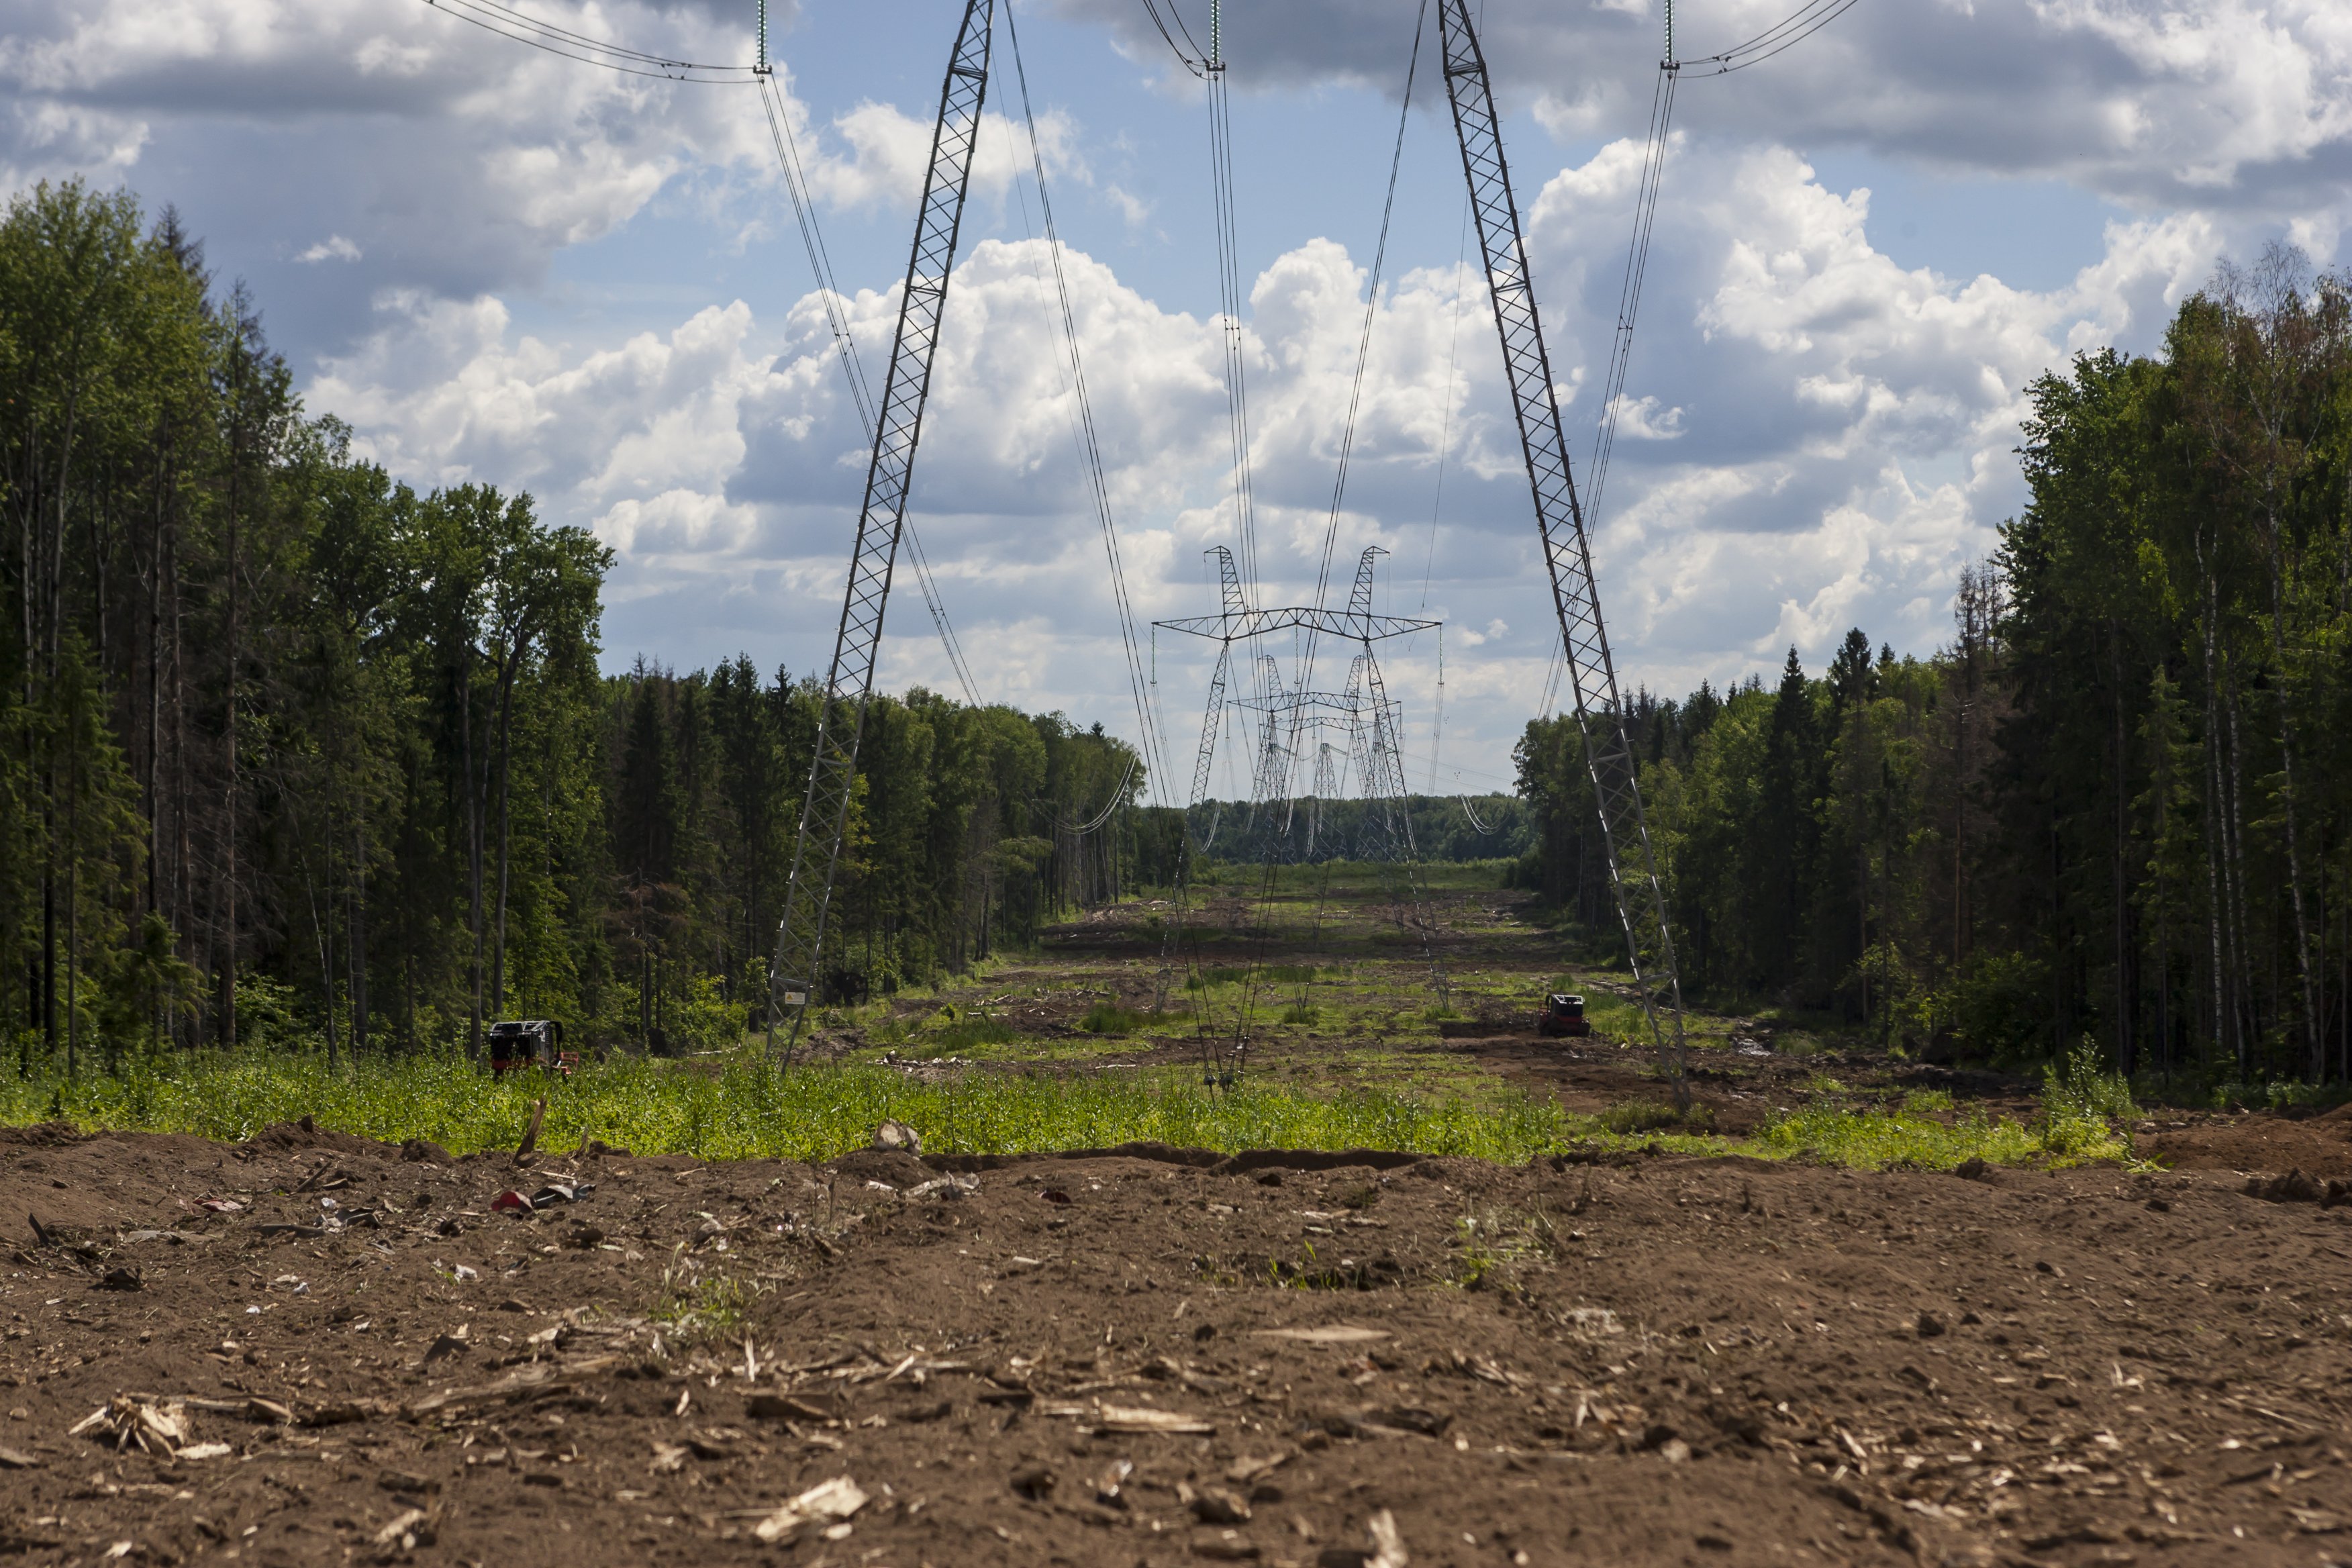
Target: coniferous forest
x,y
290,750
2118,802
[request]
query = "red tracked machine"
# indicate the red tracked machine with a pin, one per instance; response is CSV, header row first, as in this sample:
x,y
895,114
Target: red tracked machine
x,y
1562,1014
519,1043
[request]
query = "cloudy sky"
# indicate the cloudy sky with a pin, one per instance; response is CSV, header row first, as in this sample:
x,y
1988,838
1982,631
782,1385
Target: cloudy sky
x,y
503,266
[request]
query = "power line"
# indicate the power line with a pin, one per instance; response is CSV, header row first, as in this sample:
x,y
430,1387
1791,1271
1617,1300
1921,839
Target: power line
x,y
1229,306
508,23
853,369
1192,61
1446,429
1629,293
1090,442
518,27
1364,342
1789,32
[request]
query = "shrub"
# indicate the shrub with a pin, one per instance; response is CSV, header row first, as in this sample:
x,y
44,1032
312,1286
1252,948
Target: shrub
x,y
2080,1100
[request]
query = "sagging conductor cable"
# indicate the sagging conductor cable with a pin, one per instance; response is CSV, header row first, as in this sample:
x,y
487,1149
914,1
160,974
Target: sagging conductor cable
x,y
1089,441
510,23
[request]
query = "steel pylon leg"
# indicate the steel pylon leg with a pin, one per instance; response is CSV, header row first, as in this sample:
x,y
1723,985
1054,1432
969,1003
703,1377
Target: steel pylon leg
x,y
1599,711
796,977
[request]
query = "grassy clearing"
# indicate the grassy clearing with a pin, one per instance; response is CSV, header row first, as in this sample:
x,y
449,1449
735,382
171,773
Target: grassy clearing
x,y
737,1107
1111,1018
742,1110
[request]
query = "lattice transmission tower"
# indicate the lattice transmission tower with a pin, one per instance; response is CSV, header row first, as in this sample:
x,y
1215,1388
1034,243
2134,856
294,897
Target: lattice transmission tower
x,y
796,978
1560,520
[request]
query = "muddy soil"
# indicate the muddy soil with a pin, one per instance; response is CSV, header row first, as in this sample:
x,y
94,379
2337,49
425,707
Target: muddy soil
x,y
1155,1357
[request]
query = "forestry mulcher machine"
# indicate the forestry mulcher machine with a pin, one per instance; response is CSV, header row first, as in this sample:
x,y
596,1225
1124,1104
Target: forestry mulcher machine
x,y
1562,1014
519,1043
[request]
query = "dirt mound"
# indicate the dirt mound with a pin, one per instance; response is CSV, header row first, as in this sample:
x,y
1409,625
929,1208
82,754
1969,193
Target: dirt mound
x,y
41,1135
282,1137
2252,1141
1152,1360
894,1166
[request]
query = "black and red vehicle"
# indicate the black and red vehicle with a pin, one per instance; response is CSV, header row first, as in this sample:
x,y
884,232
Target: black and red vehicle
x,y
1562,1014
519,1043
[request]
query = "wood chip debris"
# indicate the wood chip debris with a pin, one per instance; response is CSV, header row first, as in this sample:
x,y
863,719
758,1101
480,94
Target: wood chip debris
x,y
1330,1334
1129,1419
829,1504
401,1529
523,1379
1387,1545
154,1427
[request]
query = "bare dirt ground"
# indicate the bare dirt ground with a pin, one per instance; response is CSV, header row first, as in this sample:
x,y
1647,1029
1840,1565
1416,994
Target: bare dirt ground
x,y
1152,1358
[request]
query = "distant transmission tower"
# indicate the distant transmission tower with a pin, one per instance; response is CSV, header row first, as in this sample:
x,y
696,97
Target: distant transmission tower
x,y
1293,723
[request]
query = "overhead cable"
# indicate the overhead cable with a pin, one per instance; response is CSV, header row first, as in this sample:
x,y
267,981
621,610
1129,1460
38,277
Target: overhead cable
x,y
1479,828
508,23
1628,291
1445,426
515,25
780,131
1364,342
1192,62
1090,442
1229,316
853,369
1118,799
1794,30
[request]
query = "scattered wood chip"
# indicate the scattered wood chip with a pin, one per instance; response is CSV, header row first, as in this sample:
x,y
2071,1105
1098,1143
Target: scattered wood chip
x,y
791,1407
154,1427
827,1502
1141,1419
402,1523
538,1375
1332,1334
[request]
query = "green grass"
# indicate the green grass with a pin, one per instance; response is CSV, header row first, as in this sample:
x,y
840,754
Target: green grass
x,y
738,1107
743,1109
1111,1018
699,1308
1906,1140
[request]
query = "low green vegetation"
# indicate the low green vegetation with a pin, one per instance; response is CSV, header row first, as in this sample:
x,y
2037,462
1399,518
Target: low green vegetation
x,y
1898,1140
737,1107
960,1037
696,1307
2081,1102
741,1109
